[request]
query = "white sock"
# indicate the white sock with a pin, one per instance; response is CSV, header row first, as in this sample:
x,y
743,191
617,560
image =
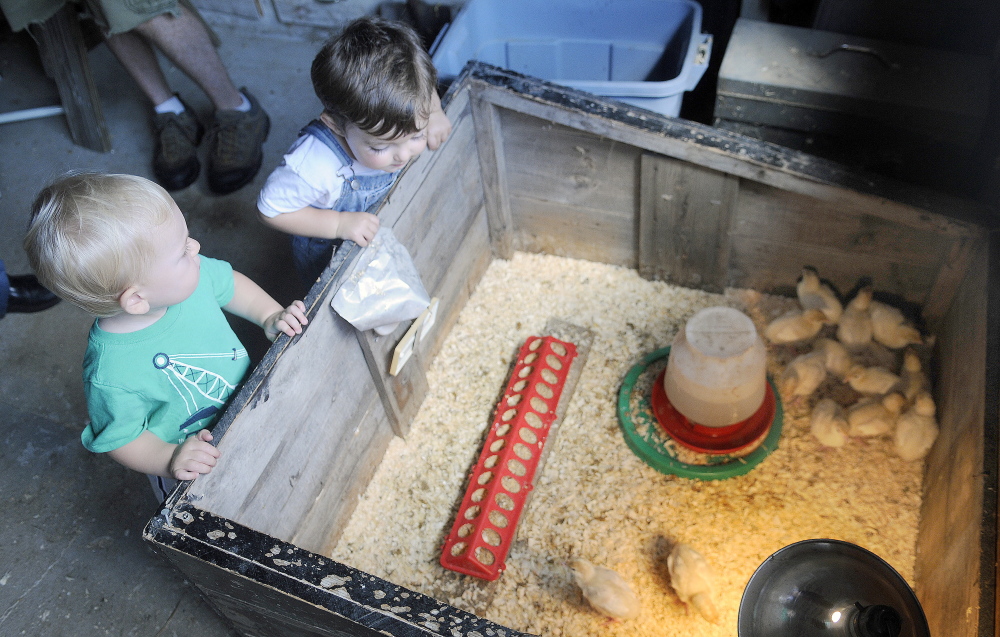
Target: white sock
x,y
172,105
245,106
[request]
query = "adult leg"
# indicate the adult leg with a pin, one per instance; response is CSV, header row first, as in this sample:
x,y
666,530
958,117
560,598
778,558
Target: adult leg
x,y
139,59
175,158
184,40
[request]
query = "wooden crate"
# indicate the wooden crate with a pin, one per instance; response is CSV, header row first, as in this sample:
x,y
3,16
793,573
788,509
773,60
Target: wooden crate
x,y
535,167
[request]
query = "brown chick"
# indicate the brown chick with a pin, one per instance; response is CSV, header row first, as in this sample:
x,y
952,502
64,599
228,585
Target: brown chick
x,y
794,326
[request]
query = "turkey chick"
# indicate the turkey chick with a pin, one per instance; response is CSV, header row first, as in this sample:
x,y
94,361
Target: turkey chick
x,y
871,380
855,327
828,423
917,429
605,590
803,375
692,580
814,294
874,417
890,328
794,326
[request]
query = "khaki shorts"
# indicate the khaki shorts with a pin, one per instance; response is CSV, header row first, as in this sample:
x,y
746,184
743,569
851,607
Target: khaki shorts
x,y
118,16
113,16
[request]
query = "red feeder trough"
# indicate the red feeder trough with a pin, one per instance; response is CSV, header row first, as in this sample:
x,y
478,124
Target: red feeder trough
x,y
504,475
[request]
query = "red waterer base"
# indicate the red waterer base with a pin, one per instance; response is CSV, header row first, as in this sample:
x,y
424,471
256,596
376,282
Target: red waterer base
x,y
741,437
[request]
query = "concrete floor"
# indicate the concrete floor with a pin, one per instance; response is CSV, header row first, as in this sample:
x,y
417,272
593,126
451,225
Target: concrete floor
x,y
72,561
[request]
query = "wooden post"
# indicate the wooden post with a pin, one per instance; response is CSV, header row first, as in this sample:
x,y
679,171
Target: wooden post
x,y
64,56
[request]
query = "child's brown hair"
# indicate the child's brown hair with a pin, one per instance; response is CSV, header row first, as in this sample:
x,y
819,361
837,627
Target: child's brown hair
x,y
377,76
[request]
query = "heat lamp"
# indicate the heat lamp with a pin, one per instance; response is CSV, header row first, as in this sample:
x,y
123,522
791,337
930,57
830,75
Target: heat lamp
x,y
829,588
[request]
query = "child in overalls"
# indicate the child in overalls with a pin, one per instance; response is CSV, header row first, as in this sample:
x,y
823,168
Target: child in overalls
x,y
380,110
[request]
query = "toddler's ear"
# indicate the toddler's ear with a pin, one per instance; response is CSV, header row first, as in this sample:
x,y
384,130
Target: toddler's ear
x,y
133,302
331,123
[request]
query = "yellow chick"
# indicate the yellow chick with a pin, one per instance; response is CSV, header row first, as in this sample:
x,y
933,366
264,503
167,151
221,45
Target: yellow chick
x,y
890,328
871,380
692,580
913,378
855,327
828,423
605,590
917,428
837,358
874,417
803,375
814,294
794,326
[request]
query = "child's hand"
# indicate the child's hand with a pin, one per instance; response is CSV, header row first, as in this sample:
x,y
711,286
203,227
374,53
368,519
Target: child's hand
x,y
288,321
359,227
194,456
438,129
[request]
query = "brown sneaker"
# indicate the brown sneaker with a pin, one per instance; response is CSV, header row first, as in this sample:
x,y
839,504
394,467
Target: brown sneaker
x,y
237,147
175,156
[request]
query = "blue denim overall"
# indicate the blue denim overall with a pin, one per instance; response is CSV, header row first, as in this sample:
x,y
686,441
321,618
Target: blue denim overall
x,y
310,254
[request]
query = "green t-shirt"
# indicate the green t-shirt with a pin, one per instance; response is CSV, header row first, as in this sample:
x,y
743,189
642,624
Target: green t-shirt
x,y
172,378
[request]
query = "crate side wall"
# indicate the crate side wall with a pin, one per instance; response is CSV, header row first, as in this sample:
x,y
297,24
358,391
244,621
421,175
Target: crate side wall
x,y
305,446
303,424
572,193
952,518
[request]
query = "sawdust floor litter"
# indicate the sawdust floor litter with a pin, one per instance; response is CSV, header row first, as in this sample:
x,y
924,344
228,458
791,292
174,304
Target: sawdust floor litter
x,y
594,498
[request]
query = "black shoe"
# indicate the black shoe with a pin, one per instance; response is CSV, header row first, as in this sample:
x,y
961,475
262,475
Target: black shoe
x,y
175,158
28,295
236,152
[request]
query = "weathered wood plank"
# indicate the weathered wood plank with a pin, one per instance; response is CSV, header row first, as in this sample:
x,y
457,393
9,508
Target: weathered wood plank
x,y
493,167
268,587
684,217
567,166
727,152
277,457
437,202
64,55
578,232
345,481
952,515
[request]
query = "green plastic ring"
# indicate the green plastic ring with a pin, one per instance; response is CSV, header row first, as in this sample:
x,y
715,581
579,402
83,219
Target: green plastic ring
x,y
659,458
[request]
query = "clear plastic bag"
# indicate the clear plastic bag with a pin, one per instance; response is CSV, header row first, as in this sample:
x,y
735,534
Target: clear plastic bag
x,y
383,289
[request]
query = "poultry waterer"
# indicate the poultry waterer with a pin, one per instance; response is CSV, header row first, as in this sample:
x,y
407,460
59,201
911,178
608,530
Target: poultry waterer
x,y
502,478
703,407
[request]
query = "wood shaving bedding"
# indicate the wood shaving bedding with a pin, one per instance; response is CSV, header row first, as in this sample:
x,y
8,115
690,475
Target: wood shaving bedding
x,y
595,498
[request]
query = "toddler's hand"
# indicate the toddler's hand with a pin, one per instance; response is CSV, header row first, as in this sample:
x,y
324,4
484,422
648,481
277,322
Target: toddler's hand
x,y
194,457
438,129
359,227
288,321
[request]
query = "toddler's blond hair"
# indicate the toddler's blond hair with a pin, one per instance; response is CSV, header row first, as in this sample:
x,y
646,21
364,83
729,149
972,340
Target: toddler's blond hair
x,y
92,236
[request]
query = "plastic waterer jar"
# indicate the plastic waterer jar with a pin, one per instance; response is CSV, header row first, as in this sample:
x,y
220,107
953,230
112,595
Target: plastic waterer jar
x,y
716,374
